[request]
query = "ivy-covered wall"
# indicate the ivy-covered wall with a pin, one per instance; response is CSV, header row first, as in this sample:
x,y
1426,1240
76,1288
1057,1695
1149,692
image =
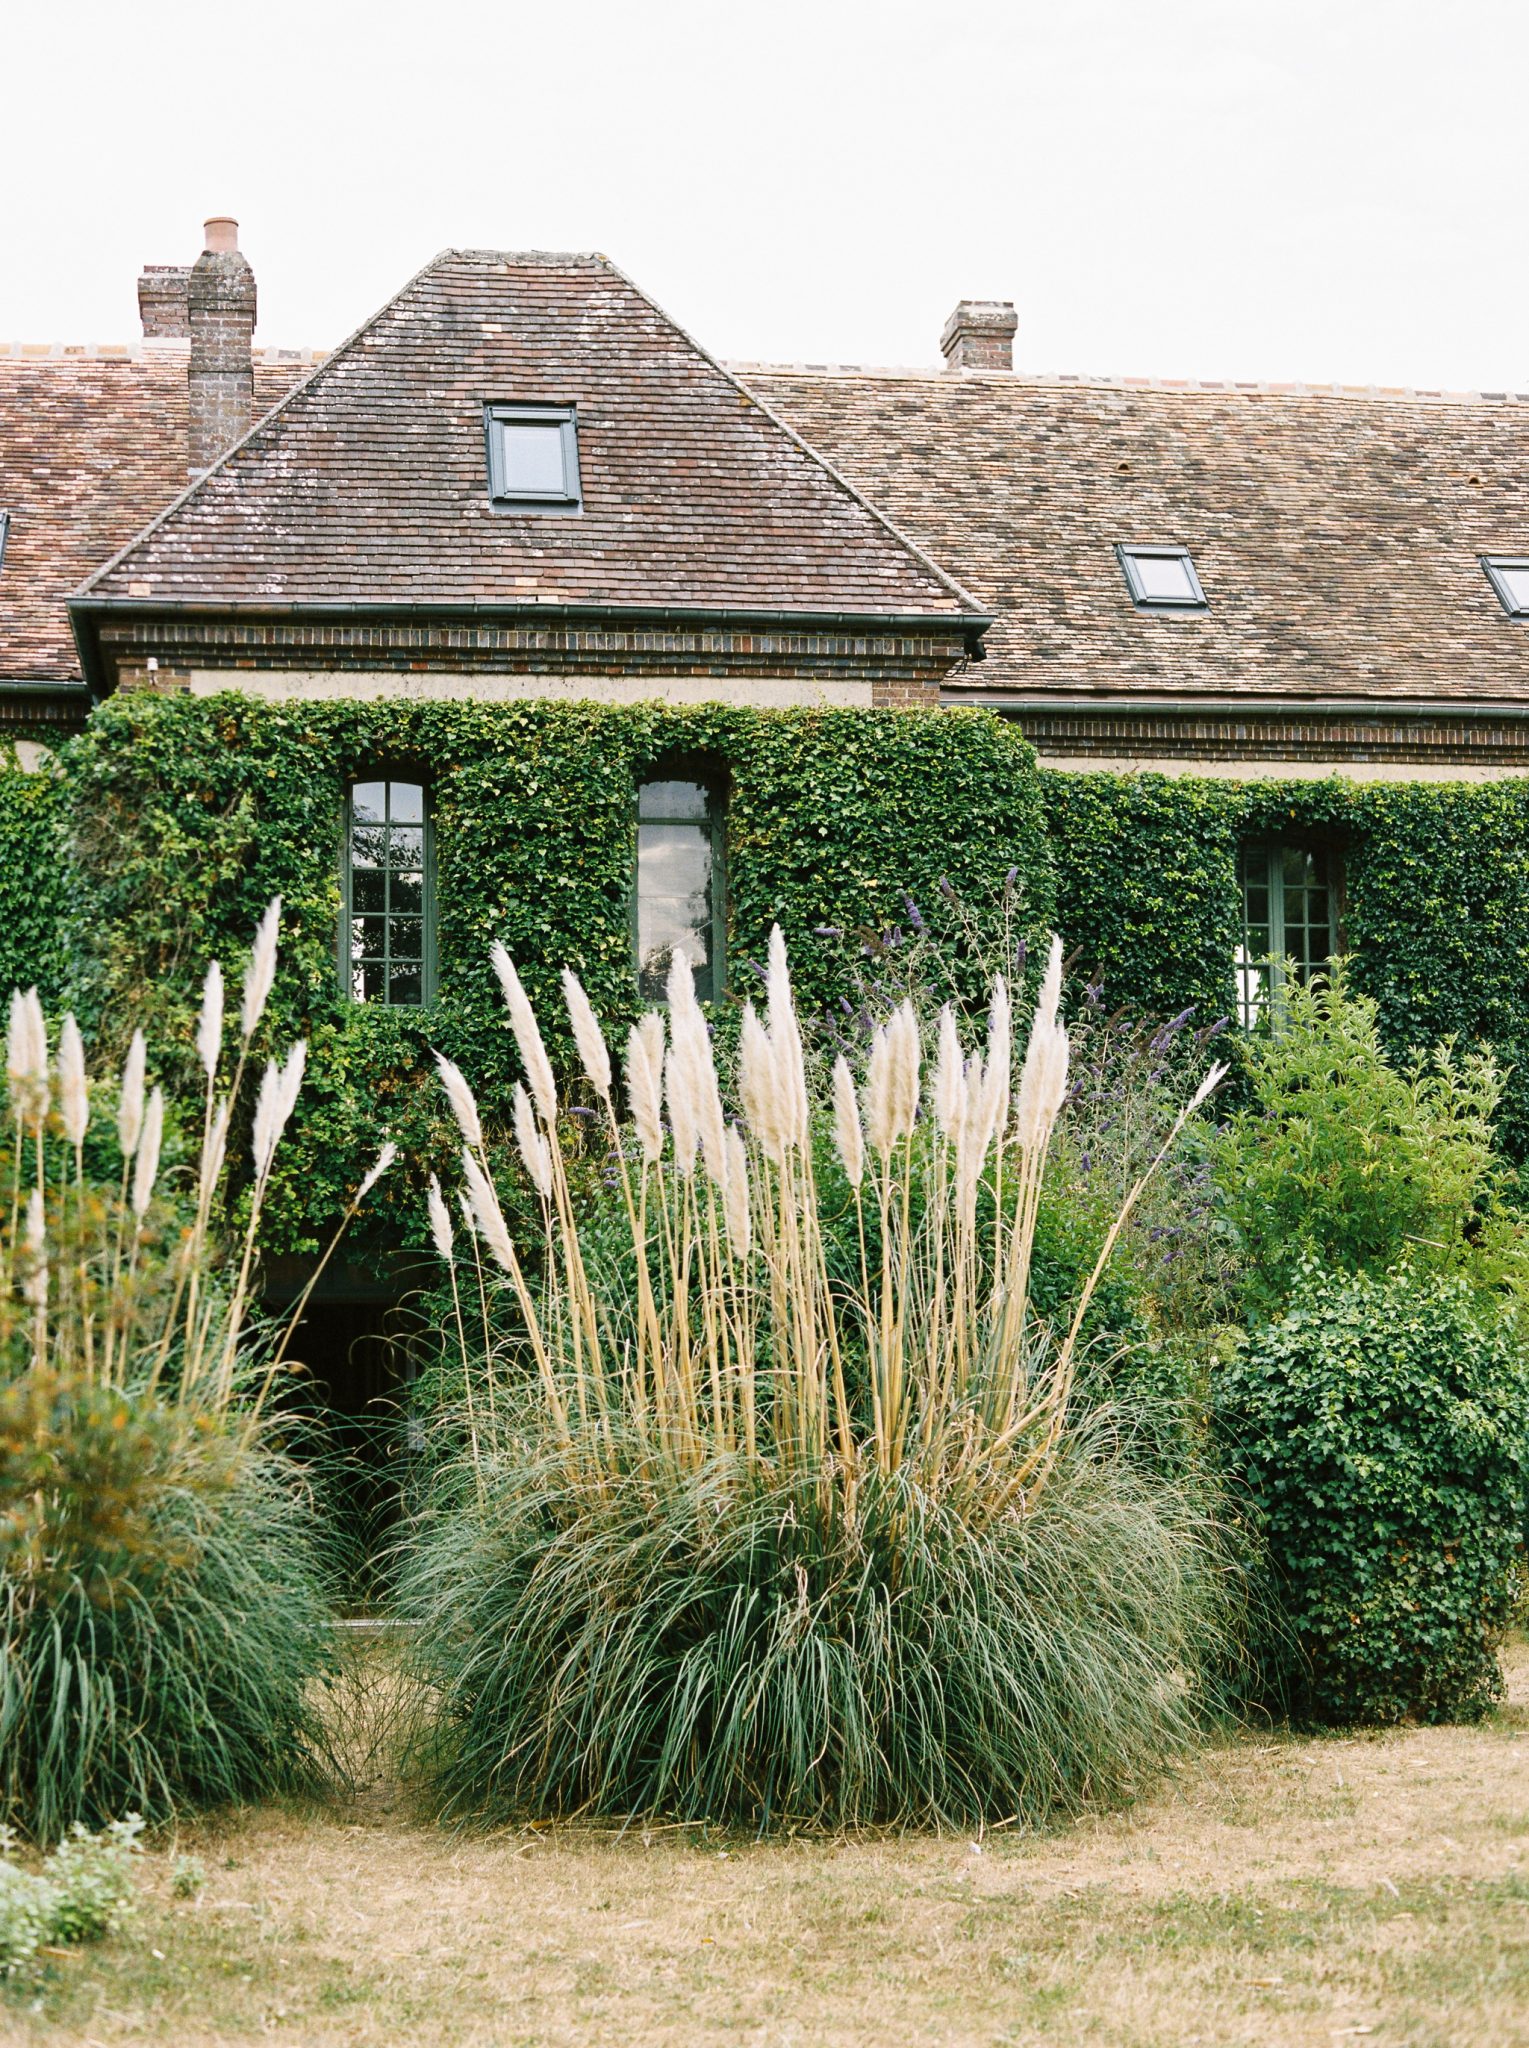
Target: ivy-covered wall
x,y
188,814
1435,916
33,878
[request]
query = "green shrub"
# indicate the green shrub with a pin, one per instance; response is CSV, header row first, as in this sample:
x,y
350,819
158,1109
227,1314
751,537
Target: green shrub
x,y
92,1879
1339,1156
26,1914
1379,1431
34,878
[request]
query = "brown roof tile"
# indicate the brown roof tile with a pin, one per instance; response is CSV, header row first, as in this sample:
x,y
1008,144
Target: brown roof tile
x,y
1336,533
92,445
368,486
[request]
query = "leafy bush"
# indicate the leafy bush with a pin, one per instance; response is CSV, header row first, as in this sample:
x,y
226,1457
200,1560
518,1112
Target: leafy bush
x,y
26,1915
1340,1157
83,1892
752,1531
1380,1433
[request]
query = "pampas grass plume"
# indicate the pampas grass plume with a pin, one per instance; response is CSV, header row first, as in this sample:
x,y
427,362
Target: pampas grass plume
x,y
73,1087
848,1139
380,1166
644,1088
209,1029
587,1035
464,1106
947,1074
35,1290
213,1149
261,971
130,1097
533,1146
528,1037
679,1091
147,1167
486,1212
735,1193
440,1220
27,1057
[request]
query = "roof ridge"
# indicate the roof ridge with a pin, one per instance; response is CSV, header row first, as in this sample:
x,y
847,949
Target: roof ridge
x,y
1068,380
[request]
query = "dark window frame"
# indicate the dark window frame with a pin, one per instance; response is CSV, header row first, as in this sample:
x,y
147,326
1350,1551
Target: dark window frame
x,y
1266,971
5,530
1491,564
1128,553
712,777
428,975
571,496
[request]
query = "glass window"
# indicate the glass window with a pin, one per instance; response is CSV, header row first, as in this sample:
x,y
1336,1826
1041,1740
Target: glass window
x,y
679,897
1162,579
1289,920
388,935
533,458
1509,577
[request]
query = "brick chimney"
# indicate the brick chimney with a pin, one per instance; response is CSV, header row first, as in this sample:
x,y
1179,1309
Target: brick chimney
x,y
979,335
162,301
220,304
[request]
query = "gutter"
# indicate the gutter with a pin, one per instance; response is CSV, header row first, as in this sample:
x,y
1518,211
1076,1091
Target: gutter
x,y
86,613
1012,704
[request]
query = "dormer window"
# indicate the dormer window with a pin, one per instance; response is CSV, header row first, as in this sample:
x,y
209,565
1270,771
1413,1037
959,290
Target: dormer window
x,y
1162,579
533,458
1509,577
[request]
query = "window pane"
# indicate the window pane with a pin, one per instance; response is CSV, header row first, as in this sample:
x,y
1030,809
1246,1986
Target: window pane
x,y
373,986
406,803
1516,583
533,458
366,937
408,893
368,846
673,800
408,844
366,887
407,938
673,860
367,802
405,986
1164,576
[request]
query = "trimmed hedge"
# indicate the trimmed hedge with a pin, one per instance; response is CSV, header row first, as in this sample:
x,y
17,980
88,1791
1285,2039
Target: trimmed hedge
x,y
1380,1432
189,814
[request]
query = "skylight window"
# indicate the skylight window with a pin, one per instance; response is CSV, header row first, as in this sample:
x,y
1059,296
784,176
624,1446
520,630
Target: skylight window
x,y
1509,577
5,527
533,458
1162,579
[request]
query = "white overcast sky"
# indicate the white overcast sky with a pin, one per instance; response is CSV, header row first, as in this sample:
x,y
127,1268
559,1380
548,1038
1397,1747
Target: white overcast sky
x,y
1316,189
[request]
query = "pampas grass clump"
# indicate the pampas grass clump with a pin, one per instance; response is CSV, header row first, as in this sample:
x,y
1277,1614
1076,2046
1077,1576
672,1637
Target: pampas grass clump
x,y
738,1541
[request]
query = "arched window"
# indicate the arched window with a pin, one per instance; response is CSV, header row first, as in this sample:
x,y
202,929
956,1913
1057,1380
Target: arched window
x,y
680,898
387,944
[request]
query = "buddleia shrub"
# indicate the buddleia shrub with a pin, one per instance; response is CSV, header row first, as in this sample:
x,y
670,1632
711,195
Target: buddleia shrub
x,y
1379,1431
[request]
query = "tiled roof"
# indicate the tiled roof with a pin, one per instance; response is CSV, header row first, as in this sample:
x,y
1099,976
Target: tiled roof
x,y
92,445
368,486
1336,532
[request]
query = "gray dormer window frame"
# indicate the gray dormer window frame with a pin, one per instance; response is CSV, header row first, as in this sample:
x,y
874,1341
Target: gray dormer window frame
x,y
5,529
1130,552
1491,564
570,498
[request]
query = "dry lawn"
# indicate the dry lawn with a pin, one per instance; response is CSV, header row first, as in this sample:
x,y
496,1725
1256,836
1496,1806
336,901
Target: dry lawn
x,y
1278,1892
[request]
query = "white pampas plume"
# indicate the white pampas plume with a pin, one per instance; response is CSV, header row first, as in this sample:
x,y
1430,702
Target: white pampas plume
x,y
486,1212
998,1067
695,1075
528,1037
534,1150
735,1193
73,1087
440,1221
274,1104
26,1058
261,971
1043,1077
679,1093
947,1075
1207,1088
464,1106
35,1289
469,1220
756,1076
130,1097
905,1070
214,1146
148,1154
644,1088
848,1140
892,1082
209,1028
785,1044
587,1035
878,1093
380,1166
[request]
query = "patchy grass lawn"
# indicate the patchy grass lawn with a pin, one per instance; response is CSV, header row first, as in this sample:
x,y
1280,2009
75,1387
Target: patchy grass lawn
x,y
1278,1892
